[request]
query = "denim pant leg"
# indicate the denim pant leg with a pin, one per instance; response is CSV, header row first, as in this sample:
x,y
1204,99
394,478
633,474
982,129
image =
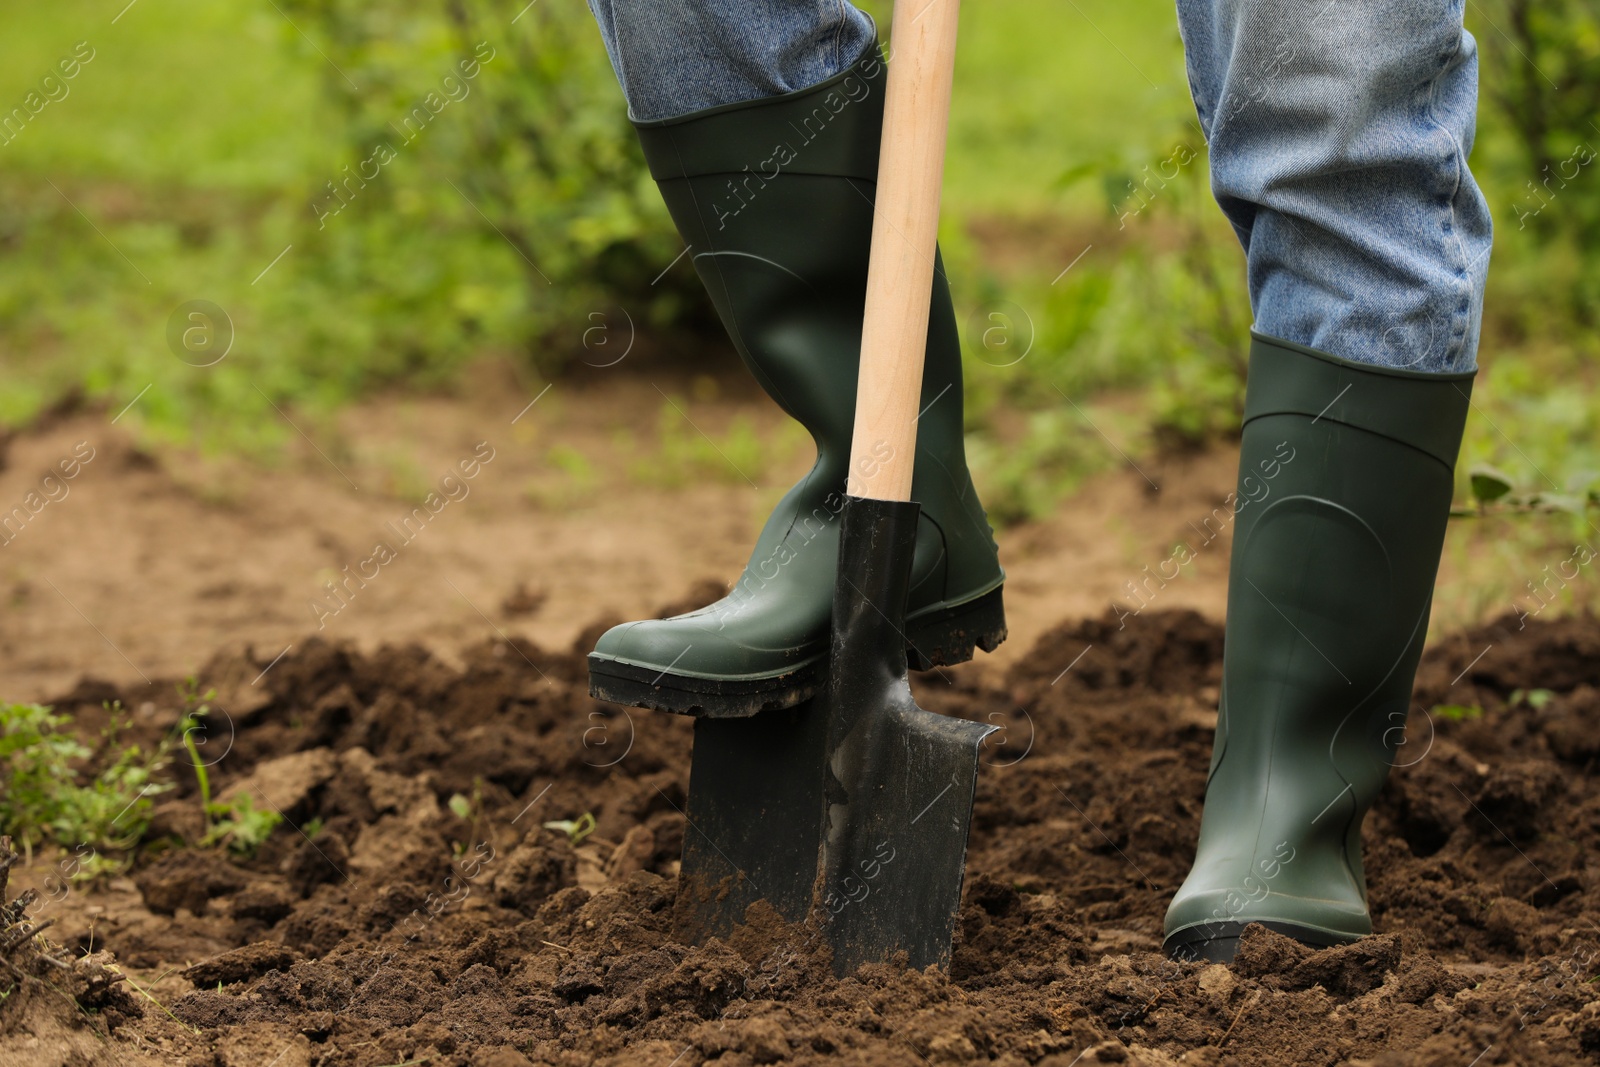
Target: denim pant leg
x,y
674,57
1339,132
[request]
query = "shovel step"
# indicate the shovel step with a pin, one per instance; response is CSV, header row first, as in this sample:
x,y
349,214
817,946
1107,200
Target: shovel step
x,y
941,637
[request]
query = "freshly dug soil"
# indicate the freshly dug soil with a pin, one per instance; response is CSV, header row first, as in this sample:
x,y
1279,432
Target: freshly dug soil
x,y
422,913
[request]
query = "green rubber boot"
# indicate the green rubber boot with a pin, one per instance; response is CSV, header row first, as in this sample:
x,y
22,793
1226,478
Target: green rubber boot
x,y
1345,478
774,197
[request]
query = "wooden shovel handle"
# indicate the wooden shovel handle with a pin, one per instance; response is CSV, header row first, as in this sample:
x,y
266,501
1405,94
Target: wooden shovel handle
x,y
905,223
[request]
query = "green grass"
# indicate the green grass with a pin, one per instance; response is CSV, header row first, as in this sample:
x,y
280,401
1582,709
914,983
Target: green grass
x,y
179,166
180,93
161,177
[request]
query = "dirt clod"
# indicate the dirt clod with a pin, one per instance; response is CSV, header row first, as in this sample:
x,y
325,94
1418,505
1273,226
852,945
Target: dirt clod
x,y
188,879
237,965
541,866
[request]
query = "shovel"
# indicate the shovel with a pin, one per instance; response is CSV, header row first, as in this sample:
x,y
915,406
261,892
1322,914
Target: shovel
x,y
853,808
900,780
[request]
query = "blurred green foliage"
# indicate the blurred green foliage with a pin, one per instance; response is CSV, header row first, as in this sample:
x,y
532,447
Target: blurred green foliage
x,y
463,181
513,127
377,192
681,453
1542,82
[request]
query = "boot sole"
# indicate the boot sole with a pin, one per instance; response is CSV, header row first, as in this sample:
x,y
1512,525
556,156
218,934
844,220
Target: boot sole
x,y
939,638
1218,942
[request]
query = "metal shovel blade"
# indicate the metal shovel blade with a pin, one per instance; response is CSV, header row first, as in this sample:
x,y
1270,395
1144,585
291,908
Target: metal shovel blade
x,y
900,780
754,820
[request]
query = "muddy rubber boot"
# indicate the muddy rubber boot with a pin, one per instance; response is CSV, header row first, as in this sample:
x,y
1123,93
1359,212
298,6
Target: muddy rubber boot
x,y
1346,473
774,198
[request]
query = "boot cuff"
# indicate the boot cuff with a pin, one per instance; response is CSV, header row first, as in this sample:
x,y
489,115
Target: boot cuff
x,y
1426,411
832,128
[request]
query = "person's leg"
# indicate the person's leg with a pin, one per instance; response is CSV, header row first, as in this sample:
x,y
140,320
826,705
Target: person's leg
x,y
1338,136
772,190
1339,132
674,57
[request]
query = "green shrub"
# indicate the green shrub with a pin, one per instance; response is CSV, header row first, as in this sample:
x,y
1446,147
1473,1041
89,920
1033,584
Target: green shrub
x,y
507,194
499,222
1541,87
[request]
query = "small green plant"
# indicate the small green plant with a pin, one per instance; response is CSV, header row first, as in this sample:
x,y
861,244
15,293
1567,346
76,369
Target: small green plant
x,y
575,829
1534,698
196,708
469,810
1458,712
241,825
37,753
237,823
45,797
1494,490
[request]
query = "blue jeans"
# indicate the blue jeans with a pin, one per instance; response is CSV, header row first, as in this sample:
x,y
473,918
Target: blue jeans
x,y
674,57
1338,129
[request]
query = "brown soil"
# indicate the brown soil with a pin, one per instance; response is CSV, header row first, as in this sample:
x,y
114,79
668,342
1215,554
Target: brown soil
x,y
156,558
405,933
